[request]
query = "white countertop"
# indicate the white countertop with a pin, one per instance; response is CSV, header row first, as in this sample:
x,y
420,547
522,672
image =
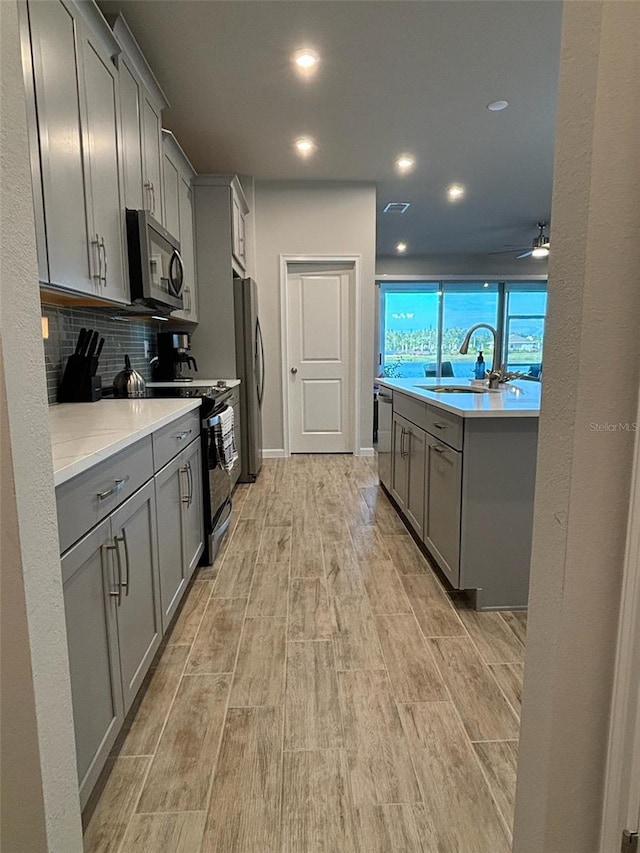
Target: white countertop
x,y
195,383
517,399
83,434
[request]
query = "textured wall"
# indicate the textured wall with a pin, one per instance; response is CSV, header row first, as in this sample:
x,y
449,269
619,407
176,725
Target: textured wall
x,y
312,219
39,784
592,371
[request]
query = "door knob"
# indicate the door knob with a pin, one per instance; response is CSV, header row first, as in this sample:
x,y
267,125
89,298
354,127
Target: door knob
x,y
294,370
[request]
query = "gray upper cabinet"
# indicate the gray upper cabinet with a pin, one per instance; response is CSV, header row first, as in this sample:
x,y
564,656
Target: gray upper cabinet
x,y
90,589
442,518
106,222
131,129
240,209
74,127
133,527
141,104
51,29
178,208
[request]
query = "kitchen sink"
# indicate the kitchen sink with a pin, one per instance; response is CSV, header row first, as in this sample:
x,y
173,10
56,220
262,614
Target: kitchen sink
x,y
453,389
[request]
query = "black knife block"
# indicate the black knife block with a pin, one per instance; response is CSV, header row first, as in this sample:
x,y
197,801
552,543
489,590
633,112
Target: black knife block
x,y
78,386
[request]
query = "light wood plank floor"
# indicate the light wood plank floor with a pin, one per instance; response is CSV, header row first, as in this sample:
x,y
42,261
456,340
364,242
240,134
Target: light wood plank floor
x,y
321,691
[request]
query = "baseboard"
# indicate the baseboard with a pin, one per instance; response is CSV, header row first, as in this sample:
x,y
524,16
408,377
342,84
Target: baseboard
x,y
366,451
273,454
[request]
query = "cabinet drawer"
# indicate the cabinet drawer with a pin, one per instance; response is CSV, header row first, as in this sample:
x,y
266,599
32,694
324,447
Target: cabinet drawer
x,y
171,439
411,409
445,426
88,498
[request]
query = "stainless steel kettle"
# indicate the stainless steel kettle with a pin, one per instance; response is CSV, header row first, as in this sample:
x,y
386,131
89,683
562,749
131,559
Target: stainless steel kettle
x,y
128,383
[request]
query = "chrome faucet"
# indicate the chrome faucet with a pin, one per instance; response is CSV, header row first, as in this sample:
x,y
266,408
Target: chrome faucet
x,y
497,374
464,349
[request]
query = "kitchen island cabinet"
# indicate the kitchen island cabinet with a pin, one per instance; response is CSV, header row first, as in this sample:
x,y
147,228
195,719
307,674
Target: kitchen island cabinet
x,y
463,479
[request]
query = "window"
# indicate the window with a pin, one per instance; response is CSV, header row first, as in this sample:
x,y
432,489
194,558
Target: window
x,y
423,324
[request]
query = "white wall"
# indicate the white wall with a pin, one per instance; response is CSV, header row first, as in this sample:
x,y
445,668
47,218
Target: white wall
x,y
312,219
592,373
489,266
38,780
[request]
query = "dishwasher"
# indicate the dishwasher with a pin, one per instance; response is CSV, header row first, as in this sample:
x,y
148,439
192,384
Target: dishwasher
x,y
383,442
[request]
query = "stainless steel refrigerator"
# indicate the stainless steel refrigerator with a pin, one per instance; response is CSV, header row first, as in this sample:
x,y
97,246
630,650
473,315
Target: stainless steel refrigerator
x,y
250,370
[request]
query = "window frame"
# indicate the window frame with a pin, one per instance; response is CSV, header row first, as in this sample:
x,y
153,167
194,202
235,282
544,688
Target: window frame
x,y
441,284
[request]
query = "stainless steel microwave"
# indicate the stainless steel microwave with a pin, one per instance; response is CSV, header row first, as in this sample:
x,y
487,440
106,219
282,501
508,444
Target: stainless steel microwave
x,y
156,270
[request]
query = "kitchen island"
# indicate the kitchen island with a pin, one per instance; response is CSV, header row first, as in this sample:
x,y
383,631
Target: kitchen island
x,y
459,465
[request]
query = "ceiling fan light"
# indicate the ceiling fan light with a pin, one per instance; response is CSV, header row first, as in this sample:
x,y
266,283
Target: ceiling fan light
x,y
540,252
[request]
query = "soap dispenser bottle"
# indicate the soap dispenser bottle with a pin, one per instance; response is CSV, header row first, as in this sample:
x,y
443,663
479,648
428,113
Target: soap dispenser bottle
x,y
479,371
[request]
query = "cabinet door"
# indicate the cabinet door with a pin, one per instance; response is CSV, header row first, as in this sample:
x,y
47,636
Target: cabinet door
x,y
442,515
193,527
131,133
90,595
101,145
399,477
171,198
187,249
152,135
416,447
237,230
133,526
171,490
55,63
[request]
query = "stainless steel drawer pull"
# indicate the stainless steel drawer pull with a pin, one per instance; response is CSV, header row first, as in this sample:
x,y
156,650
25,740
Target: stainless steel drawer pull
x,y
190,479
441,426
117,487
439,450
184,435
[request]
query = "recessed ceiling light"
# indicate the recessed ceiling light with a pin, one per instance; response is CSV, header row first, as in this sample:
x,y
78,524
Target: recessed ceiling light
x,y
455,192
497,106
405,163
486,284
401,247
305,60
305,146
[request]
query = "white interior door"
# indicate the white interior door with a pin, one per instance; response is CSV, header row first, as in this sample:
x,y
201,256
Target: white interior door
x,y
320,360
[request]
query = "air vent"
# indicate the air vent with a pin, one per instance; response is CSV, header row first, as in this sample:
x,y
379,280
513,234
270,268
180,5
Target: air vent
x,y
397,207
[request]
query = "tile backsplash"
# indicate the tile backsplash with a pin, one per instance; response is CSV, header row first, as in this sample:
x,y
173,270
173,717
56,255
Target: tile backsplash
x,y
121,336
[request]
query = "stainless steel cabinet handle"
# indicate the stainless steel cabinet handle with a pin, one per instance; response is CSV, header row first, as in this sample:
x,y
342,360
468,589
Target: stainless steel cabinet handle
x,y
190,481
96,243
117,487
118,592
183,498
104,249
441,426
439,450
183,436
148,186
153,198
126,584
403,452
294,370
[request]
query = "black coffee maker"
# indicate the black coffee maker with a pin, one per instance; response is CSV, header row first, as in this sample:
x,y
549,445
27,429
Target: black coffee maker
x,y
174,360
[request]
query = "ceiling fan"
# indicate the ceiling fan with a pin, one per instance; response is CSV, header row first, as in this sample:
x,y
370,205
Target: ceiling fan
x,y
540,246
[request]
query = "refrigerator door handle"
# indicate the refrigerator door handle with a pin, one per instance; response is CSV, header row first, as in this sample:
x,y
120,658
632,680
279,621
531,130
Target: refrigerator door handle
x,y
261,342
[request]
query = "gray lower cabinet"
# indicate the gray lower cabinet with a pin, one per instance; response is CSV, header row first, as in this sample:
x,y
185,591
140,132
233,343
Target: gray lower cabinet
x,y
90,598
442,514
133,527
180,525
409,450
399,467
